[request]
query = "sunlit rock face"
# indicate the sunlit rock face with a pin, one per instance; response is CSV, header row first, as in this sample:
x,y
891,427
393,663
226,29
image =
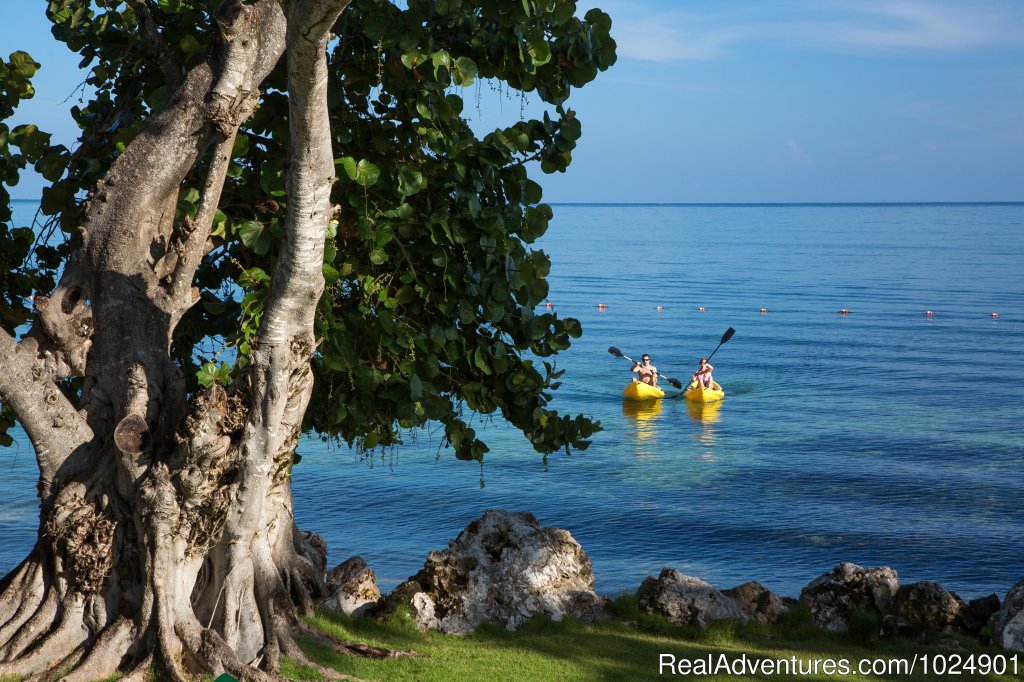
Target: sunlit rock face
x,y
352,587
686,600
504,568
758,602
847,589
1008,623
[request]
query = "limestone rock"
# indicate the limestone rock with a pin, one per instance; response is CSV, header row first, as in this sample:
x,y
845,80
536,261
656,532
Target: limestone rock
x,y
352,587
314,548
977,614
1008,622
920,610
758,602
686,600
834,596
504,568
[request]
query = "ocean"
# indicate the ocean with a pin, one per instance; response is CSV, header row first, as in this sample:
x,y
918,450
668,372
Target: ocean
x,y
886,435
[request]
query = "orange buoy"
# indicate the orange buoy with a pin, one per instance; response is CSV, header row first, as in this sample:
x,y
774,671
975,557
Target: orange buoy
x,y
995,315
602,306
700,309
929,313
764,310
844,311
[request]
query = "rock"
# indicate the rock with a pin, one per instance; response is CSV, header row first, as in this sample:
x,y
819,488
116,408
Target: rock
x,y
314,548
504,568
352,588
758,602
921,611
401,596
834,596
686,600
424,612
1008,622
975,617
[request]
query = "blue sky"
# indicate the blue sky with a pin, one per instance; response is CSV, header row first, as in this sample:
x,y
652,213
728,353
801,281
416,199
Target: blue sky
x,y
719,101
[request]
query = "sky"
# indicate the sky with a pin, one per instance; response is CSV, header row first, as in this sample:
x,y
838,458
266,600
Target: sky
x,y
755,101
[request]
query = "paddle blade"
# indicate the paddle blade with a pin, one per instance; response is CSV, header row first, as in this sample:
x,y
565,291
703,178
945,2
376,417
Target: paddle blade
x,y
615,351
675,382
727,335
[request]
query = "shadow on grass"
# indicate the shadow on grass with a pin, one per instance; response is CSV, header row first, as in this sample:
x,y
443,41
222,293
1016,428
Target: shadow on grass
x,y
627,646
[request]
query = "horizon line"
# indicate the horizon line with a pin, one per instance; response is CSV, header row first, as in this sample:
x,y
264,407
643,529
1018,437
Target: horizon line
x,y
786,203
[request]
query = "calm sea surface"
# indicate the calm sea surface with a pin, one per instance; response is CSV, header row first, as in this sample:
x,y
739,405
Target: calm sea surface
x,y
885,436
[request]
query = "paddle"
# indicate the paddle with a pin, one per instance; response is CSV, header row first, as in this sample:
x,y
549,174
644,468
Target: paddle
x,y
725,337
676,383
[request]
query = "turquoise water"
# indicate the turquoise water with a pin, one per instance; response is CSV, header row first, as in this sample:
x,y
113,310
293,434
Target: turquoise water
x,y
884,436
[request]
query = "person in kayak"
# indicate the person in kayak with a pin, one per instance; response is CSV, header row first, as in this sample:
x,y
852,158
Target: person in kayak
x,y
647,372
703,374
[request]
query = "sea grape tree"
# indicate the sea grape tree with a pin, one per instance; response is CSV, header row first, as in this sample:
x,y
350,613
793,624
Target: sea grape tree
x,y
278,219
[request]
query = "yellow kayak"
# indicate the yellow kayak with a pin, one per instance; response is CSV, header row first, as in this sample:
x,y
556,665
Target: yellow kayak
x,y
641,391
699,394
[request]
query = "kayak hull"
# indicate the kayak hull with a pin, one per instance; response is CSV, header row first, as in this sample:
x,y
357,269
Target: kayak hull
x,y
698,394
641,391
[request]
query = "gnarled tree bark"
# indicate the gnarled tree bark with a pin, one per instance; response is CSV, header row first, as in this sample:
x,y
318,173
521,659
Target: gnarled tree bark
x,y
167,538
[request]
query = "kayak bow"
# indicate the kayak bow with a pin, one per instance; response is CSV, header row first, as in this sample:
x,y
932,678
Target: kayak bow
x,y
641,391
697,393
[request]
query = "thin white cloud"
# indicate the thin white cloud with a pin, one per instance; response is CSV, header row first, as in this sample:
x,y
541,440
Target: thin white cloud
x,y
650,32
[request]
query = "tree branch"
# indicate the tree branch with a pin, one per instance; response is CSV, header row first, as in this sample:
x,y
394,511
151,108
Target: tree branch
x,y
58,433
193,243
298,279
172,74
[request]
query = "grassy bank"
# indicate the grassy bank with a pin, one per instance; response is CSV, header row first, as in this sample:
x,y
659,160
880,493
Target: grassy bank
x,y
624,647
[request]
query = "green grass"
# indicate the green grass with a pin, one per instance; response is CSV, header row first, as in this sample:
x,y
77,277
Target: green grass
x,y
625,647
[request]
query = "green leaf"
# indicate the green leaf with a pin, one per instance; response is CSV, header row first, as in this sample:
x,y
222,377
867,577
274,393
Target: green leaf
x,y
23,63
255,236
410,181
211,373
532,192
563,11
464,71
32,141
406,295
413,58
220,222
364,173
190,45
241,146
540,51
440,59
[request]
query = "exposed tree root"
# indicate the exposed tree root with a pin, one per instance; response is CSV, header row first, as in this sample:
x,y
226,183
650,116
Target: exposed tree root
x,y
105,657
141,672
32,628
50,642
20,601
349,648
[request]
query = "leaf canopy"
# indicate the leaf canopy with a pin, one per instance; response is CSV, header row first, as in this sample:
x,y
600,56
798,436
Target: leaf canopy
x,y
432,283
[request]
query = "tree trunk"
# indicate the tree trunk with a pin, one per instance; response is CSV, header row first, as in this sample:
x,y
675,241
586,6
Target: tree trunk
x,y
166,534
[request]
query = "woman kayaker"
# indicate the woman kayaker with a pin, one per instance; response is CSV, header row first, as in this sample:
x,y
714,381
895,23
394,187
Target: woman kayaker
x,y
647,372
703,374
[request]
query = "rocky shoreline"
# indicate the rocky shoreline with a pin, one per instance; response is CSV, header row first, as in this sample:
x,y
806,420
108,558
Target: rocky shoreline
x,y
504,568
